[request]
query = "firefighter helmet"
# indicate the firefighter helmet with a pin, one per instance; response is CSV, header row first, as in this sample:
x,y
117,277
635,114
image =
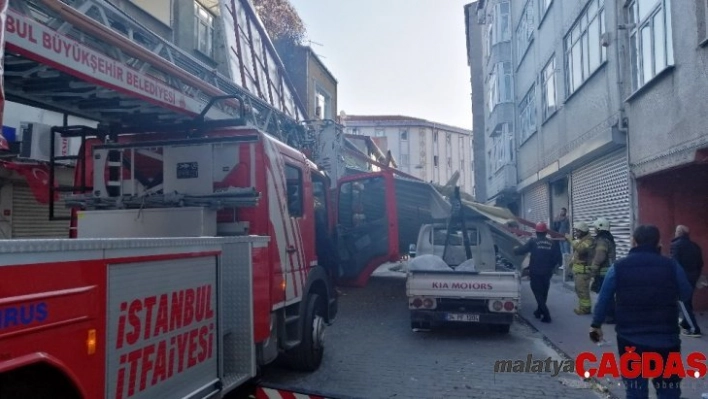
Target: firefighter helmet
x,y
541,227
602,224
581,226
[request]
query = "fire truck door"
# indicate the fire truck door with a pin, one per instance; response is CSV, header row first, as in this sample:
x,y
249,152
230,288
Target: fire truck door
x,y
366,229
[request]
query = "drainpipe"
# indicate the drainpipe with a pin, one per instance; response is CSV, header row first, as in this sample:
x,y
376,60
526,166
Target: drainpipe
x,y
633,204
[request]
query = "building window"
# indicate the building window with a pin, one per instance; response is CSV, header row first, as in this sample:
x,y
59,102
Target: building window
x,y
323,104
490,165
435,137
548,94
404,159
527,115
293,181
651,39
404,135
524,31
543,6
501,84
503,148
379,133
583,52
502,24
435,161
204,29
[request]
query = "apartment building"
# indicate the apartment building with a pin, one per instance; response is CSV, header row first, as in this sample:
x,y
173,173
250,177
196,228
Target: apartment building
x,y
666,92
555,125
428,150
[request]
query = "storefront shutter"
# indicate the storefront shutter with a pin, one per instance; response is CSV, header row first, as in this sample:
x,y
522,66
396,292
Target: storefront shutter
x,y
601,189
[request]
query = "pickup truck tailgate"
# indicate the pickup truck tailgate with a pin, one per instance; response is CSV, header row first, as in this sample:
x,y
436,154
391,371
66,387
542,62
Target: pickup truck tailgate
x,y
461,284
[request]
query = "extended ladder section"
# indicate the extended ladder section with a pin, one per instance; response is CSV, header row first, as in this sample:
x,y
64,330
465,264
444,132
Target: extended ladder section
x,y
89,58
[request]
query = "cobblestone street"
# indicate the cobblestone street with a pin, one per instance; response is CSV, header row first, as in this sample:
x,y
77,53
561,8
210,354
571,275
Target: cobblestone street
x,y
372,353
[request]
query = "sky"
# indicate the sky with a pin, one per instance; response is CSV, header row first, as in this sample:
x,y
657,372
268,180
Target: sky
x,y
394,57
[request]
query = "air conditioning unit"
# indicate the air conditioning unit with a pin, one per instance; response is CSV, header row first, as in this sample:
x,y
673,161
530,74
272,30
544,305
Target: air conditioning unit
x,y
35,143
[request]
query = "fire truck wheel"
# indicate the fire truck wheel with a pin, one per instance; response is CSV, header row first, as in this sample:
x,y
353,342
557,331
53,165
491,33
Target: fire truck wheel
x,y
308,355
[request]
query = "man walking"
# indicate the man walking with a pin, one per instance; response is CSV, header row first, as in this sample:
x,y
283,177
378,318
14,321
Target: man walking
x,y
545,256
582,250
603,255
688,254
648,287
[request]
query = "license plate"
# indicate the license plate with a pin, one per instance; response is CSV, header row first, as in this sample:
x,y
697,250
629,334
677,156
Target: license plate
x,y
470,318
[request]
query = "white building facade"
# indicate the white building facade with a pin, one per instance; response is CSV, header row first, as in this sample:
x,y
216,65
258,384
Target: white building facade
x,y
428,150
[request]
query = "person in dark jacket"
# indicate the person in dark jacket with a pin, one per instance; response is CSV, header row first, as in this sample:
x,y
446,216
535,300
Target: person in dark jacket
x,y
688,254
545,256
648,287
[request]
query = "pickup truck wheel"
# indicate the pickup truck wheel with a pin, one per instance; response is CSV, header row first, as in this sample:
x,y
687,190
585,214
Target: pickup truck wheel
x,y
501,328
308,355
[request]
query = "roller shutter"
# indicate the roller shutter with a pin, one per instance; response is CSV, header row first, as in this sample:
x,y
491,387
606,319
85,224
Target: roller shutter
x,y
536,203
30,219
601,189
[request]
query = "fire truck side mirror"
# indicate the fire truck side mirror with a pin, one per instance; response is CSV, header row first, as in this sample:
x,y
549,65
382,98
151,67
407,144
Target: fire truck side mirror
x,y
411,251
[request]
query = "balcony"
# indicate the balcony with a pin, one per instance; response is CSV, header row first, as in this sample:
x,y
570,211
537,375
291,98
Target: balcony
x,y
502,113
504,178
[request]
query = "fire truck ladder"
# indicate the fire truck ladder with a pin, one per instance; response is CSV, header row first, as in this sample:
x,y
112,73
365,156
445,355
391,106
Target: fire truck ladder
x,y
89,58
100,26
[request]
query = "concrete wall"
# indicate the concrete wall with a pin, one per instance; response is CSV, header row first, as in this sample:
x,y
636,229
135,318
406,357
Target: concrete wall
x,y
319,76
595,103
474,59
155,15
308,73
668,118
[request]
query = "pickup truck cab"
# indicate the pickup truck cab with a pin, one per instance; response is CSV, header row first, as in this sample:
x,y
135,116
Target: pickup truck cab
x,y
448,283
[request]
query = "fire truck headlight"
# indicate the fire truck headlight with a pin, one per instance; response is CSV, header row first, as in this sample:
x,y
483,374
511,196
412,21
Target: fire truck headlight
x,y
91,342
284,285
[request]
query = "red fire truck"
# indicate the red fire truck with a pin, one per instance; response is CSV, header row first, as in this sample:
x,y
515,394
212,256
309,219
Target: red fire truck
x,y
202,245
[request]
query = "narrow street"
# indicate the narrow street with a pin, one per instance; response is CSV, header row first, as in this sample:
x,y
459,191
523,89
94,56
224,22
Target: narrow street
x,y
372,353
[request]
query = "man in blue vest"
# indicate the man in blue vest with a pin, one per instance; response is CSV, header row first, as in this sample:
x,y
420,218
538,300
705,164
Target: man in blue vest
x,y
648,287
545,256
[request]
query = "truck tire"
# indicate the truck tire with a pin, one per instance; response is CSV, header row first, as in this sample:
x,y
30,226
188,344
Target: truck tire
x,y
501,328
308,355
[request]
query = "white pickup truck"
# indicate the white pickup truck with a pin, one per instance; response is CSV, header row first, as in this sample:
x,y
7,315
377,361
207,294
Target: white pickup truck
x,y
449,283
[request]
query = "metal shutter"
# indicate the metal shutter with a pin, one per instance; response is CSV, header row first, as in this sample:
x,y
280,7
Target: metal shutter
x,y
536,204
30,219
601,189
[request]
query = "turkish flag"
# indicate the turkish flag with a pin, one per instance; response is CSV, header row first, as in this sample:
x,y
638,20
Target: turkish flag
x,y
37,176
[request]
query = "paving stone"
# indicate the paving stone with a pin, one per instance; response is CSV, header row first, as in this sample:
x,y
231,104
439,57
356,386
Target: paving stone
x,y
371,352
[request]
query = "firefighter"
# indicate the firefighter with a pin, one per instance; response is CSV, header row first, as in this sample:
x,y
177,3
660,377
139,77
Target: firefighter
x,y
582,249
603,256
545,256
